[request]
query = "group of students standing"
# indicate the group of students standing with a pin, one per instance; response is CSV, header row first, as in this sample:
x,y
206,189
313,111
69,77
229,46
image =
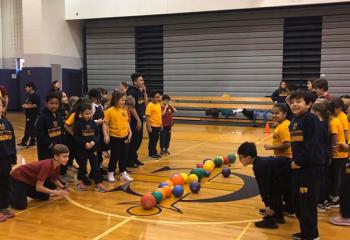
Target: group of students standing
x,y
309,171
82,129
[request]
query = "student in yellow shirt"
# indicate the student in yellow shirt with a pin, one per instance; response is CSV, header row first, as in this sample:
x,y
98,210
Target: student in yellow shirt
x,y
281,136
339,159
339,108
117,133
154,124
281,147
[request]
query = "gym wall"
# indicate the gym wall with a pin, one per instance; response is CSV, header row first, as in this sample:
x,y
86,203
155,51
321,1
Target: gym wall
x,y
234,52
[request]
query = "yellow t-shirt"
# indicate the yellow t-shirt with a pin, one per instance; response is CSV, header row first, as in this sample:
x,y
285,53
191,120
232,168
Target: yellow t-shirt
x,y
70,119
118,120
343,120
281,134
335,127
154,111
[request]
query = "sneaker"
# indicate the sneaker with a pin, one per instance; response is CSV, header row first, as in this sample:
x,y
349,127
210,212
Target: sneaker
x,y
298,236
87,181
100,188
267,222
8,213
154,157
288,214
138,162
167,151
162,152
22,144
111,177
81,186
3,217
125,177
262,211
340,221
32,144
132,165
333,204
66,178
321,208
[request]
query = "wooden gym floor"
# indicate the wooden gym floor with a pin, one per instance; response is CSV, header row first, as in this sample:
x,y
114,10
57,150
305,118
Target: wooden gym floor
x,y
223,209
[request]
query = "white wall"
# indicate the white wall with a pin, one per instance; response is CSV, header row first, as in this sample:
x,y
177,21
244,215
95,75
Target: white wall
x,y
11,32
48,38
37,31
86,9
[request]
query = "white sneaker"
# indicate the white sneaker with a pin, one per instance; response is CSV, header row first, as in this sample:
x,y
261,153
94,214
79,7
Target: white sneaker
x,y
125,177
111,177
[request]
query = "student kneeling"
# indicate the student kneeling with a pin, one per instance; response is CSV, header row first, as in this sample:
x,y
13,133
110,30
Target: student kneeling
x,y
38,180
272,175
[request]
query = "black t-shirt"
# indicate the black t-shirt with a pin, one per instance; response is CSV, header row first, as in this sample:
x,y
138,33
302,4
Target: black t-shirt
x,y
32,98
140,105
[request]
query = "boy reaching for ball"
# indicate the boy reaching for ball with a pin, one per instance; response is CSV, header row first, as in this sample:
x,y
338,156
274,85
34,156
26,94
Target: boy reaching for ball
x,y
272,175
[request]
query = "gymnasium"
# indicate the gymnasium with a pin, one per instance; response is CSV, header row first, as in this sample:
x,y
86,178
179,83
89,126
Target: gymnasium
x,y
192,97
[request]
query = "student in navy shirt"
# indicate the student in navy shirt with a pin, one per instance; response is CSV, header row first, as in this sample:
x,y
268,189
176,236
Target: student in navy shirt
x,y
308,150
49,127
272,175
31,107
86,141
138,92
7,159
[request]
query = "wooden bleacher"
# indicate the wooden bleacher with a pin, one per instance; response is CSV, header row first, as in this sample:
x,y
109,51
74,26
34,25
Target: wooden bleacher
x,y
194,107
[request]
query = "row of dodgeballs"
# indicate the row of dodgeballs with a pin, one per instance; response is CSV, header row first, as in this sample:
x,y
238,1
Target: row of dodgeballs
x,y
174,185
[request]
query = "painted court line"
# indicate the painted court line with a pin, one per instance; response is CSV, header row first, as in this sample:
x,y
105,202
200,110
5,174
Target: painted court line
x,y
113,228
244,231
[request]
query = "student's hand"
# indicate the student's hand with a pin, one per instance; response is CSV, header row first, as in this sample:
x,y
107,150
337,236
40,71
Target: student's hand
x,y
268,147
92,143
99,121
129,137
87,145
62,193
161,128
144,88
106,139
294,166
69,190
149,128
138,126
343,147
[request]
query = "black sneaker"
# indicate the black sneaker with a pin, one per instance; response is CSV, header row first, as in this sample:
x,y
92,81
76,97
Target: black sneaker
x,y
22,144
132,165
32,144
267,222
262,211
333,204
138,162
154,157
297,236
87,181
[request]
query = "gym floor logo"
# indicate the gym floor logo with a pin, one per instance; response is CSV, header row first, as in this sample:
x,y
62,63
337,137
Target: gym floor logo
x,y
248,189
